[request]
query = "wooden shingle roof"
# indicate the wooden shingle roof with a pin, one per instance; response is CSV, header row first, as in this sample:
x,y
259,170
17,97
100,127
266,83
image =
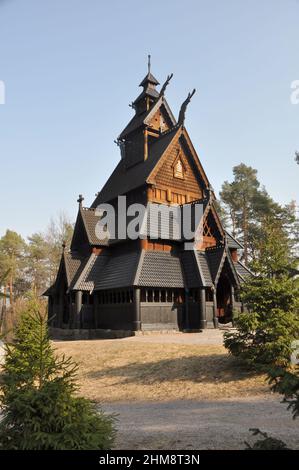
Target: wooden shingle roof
x,y
159,269
125,179
242,270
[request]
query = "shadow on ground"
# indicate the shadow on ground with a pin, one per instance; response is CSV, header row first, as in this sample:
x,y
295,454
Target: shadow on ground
x,y
199,369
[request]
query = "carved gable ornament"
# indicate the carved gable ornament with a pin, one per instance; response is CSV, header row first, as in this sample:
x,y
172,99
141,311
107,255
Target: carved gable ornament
x,y
179,168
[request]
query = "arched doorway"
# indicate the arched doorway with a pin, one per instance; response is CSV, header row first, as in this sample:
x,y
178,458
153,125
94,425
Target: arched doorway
x,y
223,296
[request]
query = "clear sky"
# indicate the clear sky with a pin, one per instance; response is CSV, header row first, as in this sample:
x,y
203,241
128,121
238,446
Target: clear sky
x,y
71,68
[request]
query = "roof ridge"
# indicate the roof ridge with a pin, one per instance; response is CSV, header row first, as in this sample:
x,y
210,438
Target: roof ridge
x,y
230,260
244,266
195,252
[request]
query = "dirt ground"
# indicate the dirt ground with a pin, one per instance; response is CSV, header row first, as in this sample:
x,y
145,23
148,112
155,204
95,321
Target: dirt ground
x,y
178,391
161,368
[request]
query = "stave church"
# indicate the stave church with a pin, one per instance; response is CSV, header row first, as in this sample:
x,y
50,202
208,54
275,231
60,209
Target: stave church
x,y
150,282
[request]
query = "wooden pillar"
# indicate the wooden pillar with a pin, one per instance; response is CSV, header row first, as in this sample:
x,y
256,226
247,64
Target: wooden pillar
x,y
232,300
145,145
96,309
215,318
60,308
202,309
187,318
232,296
78,309
137,318
70,307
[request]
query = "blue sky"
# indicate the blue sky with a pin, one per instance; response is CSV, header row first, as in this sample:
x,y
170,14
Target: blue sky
x,y
71,67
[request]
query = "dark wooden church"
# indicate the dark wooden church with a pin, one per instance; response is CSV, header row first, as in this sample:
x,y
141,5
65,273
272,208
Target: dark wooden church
x,y
149,282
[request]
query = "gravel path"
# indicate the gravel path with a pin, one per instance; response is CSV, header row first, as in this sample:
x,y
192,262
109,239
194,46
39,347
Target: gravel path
x,y
201,425
206,337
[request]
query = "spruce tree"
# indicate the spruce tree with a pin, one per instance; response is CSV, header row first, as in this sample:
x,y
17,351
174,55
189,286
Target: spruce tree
x,y
265,333
40,407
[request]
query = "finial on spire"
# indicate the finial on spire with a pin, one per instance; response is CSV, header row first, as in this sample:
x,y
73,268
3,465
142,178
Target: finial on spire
x,y
181,119
80,199
149,63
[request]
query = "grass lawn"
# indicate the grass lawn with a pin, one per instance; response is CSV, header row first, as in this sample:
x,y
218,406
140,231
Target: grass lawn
x,y
120,370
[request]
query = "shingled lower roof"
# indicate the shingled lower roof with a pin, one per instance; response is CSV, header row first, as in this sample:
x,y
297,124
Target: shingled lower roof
x,y
216,258
74,263
91,272
231,241
118,271
190,268
196,269
242,270
204,268
159,269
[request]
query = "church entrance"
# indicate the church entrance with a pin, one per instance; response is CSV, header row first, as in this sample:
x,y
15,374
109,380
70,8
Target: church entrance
x,y
223,295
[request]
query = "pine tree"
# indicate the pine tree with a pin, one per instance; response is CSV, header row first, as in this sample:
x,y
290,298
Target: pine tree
x,y
12,248
40,408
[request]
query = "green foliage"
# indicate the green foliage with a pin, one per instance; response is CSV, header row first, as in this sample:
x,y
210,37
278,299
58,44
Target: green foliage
x,y
274,254
265,333
3,279
39,405
12,248
266,443
248,206
286,382
33,264
262,295
263,339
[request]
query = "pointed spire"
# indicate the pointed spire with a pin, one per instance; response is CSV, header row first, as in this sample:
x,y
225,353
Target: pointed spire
x,y
149,78
149,93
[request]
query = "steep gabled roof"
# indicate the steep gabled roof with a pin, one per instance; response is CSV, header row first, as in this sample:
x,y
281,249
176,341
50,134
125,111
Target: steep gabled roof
x,y
143,119
149,78
71,265
216,257
124,180
86,226
90,220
